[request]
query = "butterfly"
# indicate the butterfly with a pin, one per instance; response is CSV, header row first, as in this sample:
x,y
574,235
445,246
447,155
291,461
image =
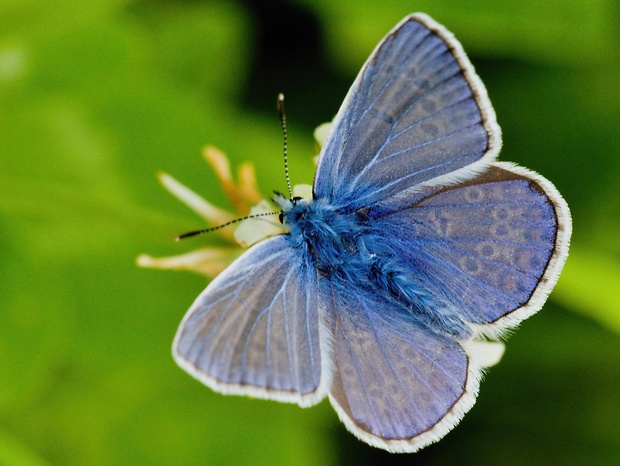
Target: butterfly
x,y
416,248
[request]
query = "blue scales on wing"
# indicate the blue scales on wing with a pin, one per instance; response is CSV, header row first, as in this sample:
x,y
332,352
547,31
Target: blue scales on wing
x,y
416,112
484,246
255,328
396,382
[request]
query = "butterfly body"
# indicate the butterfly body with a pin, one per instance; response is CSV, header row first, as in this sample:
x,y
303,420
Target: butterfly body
x,y
316,227
349,251
416,248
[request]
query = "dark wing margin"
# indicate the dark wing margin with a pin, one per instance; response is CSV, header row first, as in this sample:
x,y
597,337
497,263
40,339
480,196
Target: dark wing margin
x,y
256,329
493,246
397,385
417,114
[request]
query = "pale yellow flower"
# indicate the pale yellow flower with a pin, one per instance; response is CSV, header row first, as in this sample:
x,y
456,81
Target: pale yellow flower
x,y
246,200
321,132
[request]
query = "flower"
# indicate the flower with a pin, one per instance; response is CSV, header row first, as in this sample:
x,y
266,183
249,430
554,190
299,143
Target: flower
x,y
247,202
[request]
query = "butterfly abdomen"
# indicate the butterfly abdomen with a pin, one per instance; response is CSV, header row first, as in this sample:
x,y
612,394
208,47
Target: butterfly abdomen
x,y
397,283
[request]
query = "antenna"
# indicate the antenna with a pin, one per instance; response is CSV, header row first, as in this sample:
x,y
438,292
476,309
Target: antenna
x,y
283,123
208,230
288,183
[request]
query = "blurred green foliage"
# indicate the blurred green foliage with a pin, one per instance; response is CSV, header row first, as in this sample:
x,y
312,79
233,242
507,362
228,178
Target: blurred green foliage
x,y
98,95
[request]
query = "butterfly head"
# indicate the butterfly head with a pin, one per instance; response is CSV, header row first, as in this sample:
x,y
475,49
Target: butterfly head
x,y
288,205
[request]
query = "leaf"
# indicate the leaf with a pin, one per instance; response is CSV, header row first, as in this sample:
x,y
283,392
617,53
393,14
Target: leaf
x,y
15,453
590,285
553,31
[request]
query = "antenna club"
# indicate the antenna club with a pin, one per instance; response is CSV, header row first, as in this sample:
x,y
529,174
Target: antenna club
x,y
283,123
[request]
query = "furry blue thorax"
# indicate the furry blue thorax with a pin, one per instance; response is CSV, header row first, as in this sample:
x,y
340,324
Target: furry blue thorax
x,y
352,253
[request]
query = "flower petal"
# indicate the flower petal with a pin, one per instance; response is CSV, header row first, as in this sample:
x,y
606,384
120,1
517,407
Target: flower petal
x,y
486,353
253,230
221,166
248,187
321,132
212,214
205,261
302,190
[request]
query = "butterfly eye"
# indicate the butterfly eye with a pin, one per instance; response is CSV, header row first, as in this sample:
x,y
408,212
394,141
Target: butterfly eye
x,y
281,217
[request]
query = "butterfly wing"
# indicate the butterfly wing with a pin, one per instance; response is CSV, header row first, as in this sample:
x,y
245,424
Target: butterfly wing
x,y
397,385
416,112
412,151
493,247
255,330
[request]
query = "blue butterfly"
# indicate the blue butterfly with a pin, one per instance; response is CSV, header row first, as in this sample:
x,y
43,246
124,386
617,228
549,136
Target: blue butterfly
x,y
416,246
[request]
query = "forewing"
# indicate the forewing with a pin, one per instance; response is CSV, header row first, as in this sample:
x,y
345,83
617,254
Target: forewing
x,y
416,112
493,247
255,330
397,385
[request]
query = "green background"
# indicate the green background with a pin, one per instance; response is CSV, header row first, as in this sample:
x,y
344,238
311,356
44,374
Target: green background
x,y
96,96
